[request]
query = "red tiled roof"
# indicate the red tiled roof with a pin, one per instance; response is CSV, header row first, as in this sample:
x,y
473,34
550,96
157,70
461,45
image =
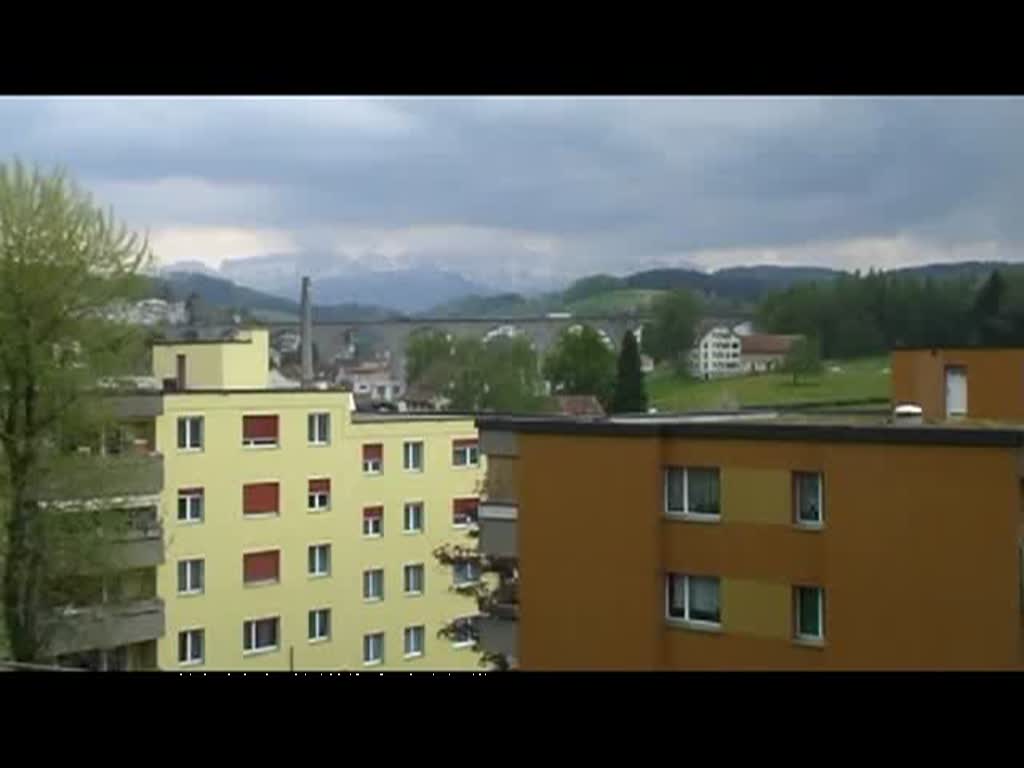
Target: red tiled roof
x,y
766,343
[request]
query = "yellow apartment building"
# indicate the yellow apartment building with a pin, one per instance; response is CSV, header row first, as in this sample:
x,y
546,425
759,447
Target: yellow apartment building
x,y
298,533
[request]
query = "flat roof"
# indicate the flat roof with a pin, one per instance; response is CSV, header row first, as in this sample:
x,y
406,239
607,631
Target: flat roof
x,y
806,427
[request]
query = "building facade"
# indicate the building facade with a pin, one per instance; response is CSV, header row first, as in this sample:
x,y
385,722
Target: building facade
x,y
717,353
960,383
764,352
755,543
299,534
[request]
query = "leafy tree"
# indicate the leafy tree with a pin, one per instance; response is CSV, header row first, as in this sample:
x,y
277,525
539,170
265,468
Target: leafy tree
x,y
803,359
671,333
630,392
429,358
63,263
581,364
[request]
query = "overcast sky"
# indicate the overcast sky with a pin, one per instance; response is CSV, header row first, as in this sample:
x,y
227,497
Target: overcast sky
x,y
502,189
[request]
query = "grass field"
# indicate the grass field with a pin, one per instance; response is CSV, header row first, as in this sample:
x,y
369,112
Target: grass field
x,y
855,380
613,301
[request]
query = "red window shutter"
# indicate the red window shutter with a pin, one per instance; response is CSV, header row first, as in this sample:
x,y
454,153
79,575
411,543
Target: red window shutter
x,y
262,566
373,451
322,485
190,491
369,513
259,498
464,509
464,443
259,427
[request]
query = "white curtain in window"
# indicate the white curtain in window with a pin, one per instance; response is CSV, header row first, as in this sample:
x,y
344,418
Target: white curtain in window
x,y
674,479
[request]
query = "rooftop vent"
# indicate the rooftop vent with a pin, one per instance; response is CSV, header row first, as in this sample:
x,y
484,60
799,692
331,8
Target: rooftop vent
x,y
908,413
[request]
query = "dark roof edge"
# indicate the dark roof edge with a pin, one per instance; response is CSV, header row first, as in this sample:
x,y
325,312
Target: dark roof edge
x,y
952,347
896,435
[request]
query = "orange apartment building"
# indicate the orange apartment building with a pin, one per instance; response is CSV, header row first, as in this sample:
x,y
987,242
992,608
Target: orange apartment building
x,y
985,383
756,541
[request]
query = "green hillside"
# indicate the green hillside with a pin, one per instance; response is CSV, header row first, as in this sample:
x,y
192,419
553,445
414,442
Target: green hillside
x,y
625,300
856,379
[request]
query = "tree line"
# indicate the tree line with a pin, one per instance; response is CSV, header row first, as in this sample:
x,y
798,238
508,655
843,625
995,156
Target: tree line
x,y
869,314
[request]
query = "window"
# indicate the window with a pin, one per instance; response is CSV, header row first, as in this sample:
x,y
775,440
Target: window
x,y
320,560
373,521
414,638
464,512
190,577
261,567
412,456
261,499
465,453
465,572
260,635
810,613
319,498
190,646
319,625
318,428
190,433
692,491
373,459
694,598
190,505
413,517
808,498
373,648
373,584
464,632
414,579
259,431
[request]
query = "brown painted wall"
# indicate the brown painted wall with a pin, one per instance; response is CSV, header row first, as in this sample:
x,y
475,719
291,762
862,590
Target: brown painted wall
x,y
995,381
918,556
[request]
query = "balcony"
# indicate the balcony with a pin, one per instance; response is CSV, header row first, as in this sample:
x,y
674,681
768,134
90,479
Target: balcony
x,y
141,544
107,626
137,407
92,476
499,627
499,529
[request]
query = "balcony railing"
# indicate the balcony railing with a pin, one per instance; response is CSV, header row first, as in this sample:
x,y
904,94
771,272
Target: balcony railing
x,y
90,476
498,627
499,529
107,626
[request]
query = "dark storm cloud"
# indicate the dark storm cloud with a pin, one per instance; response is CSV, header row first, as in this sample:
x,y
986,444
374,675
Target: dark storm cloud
x,y
641,176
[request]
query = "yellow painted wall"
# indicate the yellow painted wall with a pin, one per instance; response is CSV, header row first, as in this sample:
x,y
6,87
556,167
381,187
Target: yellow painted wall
x,y
225,465
235,365
758,608
756,496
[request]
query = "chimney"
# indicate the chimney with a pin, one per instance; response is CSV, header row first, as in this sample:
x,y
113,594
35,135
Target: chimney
x,y
307,335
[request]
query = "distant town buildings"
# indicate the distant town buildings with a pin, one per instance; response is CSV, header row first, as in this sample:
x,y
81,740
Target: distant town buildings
x,y
150,312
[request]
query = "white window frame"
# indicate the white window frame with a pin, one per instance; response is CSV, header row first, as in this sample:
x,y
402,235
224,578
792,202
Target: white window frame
x,y
470,564
317,501
192,500
369,522
813,524
261,443
461,455
416,631
685,618
321,437
189,661
367,645
322,634
190,588
405,517
686,514
316,550
463,643
368,581
405,579
189,447
803,636
406,445
373,466
253,650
